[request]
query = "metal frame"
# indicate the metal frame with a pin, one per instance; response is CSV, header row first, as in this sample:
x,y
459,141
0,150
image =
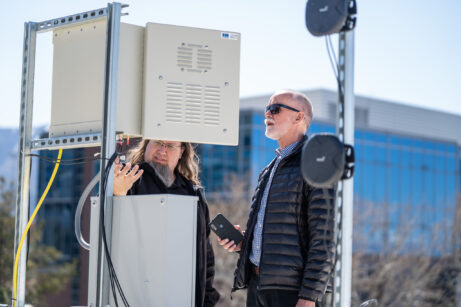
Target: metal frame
x,y
107,147
345,189
107,139
24,159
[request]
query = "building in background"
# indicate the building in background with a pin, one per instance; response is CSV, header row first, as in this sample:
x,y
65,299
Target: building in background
x,y
407,176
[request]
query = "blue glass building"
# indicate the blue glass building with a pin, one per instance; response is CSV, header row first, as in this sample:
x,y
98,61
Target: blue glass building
x,y
407,177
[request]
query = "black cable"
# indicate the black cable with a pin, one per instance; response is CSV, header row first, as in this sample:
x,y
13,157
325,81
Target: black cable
x,y
334,64
334,55
86,159
73,159
108,258
340,88
112,275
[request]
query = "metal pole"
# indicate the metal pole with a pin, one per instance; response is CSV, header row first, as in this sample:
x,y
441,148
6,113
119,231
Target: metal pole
x,y
107,147
345,190
24,159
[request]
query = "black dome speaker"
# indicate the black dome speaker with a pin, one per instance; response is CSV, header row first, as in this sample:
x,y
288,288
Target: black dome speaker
x,y
325,161
324,17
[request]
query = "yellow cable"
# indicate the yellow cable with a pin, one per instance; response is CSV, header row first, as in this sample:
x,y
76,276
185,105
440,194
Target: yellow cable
x,y
16,262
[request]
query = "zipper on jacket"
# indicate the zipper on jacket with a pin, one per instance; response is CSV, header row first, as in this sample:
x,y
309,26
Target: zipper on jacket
x,y
258,287
282,162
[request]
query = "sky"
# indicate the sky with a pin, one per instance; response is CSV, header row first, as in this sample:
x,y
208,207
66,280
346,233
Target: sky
x,y
405,51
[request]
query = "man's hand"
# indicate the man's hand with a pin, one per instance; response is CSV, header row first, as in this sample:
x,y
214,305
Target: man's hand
x,y
230,245
124,177
305,303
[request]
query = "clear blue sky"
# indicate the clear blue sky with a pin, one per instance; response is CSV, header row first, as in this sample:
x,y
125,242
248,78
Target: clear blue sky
x,y
405,51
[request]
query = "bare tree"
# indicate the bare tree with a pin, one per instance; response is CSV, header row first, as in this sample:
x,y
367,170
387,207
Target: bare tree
x,y
419,267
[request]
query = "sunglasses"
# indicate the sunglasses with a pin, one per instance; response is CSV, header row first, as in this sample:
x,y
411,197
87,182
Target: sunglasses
x,y
275,108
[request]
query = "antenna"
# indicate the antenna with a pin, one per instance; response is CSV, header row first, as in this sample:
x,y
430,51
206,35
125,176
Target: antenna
x,y
324,17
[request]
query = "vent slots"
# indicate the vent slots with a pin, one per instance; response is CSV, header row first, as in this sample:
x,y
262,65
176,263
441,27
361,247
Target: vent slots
x,y
173,96
193,104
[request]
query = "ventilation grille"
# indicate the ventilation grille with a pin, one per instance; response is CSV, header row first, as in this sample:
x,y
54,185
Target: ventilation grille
x,y
193,104
194,58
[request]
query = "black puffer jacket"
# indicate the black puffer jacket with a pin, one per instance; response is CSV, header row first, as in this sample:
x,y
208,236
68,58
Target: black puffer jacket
x,y
297,244
150,183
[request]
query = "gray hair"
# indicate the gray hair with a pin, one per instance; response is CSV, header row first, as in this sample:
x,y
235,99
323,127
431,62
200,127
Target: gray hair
x,y
305,102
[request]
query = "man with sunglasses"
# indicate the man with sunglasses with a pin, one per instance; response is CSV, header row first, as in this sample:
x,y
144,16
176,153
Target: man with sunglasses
x,y
287,253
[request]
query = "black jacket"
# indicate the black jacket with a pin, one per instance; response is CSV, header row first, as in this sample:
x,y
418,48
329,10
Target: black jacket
x,y
149,183
298,241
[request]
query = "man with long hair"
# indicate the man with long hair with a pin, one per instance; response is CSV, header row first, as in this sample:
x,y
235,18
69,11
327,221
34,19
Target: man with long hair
x,y
169,167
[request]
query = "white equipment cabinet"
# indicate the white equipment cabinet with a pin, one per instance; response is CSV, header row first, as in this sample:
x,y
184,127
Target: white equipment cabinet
x,y
78,79
191,84
153,248
174,83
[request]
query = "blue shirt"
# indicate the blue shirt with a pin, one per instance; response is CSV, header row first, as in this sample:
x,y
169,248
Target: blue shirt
x,y
255,255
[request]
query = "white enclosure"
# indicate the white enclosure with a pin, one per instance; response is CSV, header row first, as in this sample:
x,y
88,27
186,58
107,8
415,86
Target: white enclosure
x,y
174,83
153,248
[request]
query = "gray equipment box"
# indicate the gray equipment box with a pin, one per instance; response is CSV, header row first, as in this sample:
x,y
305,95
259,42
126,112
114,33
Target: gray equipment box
x,y
153,248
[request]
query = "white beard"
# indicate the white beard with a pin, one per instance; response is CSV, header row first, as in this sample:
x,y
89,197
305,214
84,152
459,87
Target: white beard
x,y
275,133
163,172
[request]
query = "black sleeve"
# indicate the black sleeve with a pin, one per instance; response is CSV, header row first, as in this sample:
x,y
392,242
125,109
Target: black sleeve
x,y
321,248
211,294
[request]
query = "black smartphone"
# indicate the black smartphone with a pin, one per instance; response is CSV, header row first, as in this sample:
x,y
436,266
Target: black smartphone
x,y
224,229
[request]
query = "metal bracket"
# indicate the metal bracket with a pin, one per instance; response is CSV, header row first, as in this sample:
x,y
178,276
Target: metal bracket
x,y
60,22
67,142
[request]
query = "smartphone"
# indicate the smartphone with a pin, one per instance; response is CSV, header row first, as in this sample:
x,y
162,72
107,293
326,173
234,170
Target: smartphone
x,y
224,229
